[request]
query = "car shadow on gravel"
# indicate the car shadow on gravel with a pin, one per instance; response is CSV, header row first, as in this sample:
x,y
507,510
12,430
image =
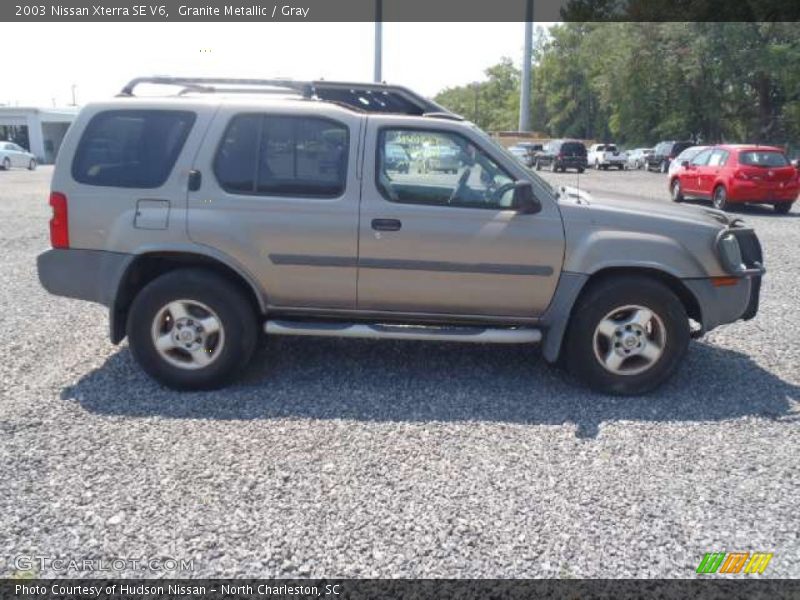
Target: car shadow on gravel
x,y
421,381
751,210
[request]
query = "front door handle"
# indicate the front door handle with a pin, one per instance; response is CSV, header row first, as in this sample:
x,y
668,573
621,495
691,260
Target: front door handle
x,y
386,224
195,180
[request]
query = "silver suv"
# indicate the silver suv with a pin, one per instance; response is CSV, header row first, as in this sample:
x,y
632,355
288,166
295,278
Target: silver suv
x,y
241,207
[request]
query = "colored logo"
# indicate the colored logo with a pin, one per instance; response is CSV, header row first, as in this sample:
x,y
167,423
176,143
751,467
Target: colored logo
x,y
734,562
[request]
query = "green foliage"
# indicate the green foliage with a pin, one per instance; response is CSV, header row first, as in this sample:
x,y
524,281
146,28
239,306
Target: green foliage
x,y
641,82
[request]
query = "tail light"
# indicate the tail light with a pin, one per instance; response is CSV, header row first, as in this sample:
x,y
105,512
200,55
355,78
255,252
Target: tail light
x,y
59,226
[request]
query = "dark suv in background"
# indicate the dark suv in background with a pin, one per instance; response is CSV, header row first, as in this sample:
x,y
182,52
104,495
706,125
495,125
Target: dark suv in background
x,y
561,155
664,153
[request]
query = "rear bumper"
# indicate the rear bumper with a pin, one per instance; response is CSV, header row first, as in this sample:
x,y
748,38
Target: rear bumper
x,y
91,275
751,192
571,163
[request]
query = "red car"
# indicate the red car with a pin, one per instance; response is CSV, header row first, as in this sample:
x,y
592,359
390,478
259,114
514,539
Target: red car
x,y
737,174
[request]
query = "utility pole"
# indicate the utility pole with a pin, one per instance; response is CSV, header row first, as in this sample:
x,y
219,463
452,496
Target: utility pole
x,y
378,75
74,86
525,91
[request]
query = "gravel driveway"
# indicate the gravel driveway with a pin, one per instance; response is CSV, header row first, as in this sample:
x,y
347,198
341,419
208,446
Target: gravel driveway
x,y
397,459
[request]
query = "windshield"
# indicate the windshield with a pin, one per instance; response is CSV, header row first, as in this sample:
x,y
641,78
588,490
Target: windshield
x,y
763,158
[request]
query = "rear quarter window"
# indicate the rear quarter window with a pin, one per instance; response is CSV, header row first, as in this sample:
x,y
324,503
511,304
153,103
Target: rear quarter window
x,y
131,148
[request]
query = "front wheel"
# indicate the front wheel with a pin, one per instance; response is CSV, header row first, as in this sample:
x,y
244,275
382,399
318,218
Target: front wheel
x,y
192,329
538,166
720,198
32,165
628,335
664,166
6,164
783,208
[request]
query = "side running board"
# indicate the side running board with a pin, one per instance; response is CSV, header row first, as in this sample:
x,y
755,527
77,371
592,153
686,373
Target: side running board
x,y
508,335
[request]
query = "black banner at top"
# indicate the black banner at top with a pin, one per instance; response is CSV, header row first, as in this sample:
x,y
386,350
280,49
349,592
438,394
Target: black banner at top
x,y
398,10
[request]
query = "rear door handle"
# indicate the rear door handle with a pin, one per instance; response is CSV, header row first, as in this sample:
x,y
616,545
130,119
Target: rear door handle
x,y
386,224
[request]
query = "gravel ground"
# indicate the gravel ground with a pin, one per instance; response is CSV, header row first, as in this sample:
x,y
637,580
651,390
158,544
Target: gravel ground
x,y
397,459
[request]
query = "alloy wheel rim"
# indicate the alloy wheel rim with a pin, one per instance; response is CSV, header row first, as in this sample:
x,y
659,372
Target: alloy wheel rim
x,y
188,334
629,340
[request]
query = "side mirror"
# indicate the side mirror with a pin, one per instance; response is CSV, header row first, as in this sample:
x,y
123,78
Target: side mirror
x,y
796,163
524,200
685,164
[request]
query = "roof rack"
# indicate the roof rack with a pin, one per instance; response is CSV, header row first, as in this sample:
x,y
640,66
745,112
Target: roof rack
x,y
365,97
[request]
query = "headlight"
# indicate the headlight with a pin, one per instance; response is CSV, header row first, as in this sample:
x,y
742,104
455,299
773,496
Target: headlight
x,y
730,253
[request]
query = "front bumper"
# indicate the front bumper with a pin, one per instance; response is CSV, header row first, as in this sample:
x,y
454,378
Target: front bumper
x,y
725,304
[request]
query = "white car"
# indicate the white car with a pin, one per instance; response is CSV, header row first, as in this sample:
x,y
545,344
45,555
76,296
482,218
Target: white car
x,y
12,155
688,154
605,156
637,158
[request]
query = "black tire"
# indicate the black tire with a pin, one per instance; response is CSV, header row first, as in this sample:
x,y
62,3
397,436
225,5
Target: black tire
x,y
620,167
580,169
554,167
538,166
719,198
32,165
664,166
604,297
675,190
6,164
782,208
238,321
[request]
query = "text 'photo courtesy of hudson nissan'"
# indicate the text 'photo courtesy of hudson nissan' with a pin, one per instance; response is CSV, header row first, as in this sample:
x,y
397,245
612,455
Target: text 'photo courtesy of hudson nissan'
x,y
400,299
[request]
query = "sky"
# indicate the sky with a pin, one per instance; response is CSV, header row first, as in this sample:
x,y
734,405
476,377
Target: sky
x,y
99,58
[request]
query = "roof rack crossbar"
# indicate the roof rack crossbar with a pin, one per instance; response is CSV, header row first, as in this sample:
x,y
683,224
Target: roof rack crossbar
x,y
205,84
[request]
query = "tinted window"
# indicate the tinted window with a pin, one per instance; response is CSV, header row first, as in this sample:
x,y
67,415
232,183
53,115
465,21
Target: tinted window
x,y
283,156
680,147
763,158
446,170
573,149
131,148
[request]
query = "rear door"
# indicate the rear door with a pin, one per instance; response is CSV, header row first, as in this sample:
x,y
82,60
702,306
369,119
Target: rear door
x,y
279,196
449,243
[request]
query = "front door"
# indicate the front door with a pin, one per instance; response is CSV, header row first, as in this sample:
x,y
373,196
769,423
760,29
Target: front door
x,y
442,238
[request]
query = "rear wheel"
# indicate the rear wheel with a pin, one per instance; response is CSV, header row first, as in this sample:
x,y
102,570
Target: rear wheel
x,y
580,169
627,336
676,191
32,165
664,166
192,330
538,166
554,167
783,208
720,198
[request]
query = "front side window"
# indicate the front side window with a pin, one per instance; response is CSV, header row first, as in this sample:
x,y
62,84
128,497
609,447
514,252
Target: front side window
x,y
718,158
274,155
443,169
702,158
131,148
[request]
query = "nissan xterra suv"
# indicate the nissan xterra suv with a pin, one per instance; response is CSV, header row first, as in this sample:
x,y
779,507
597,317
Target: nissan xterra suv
x,y
241,207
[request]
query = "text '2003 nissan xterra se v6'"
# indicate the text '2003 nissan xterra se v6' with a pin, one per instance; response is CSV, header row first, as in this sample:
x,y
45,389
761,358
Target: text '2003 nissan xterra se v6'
x,y
236,208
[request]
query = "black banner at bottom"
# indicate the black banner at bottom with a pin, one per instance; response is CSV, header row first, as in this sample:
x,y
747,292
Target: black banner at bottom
x,y
412,589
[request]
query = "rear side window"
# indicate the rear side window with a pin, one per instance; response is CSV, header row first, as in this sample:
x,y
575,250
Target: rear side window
x,y
283,156
131,148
